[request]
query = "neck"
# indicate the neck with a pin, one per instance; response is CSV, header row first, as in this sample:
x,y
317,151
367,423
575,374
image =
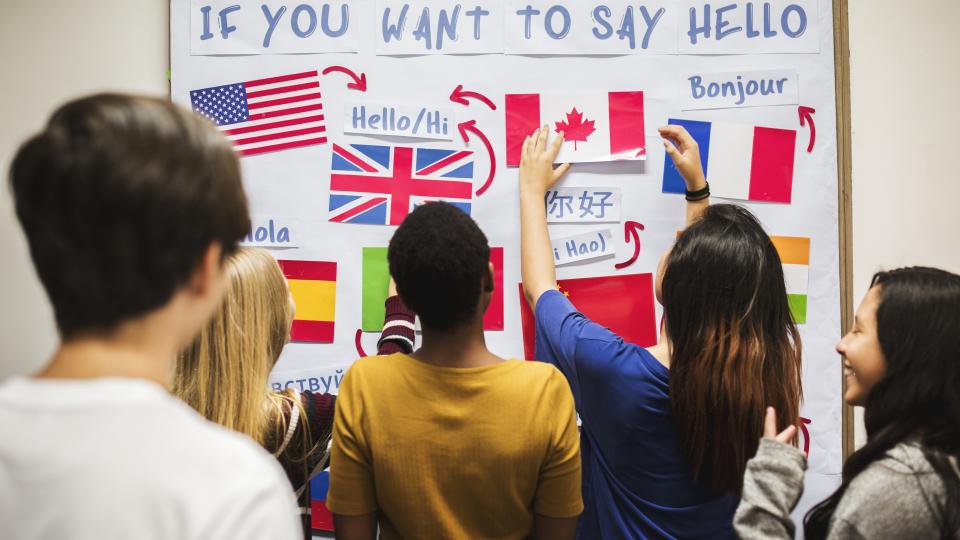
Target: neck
x,y
135,350
662,350
461,347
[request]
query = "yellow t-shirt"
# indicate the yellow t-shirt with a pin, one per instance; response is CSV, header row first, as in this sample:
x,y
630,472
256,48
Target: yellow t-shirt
x,y
454,452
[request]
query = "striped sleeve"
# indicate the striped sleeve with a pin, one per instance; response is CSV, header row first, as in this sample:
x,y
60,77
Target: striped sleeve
x,y
398,328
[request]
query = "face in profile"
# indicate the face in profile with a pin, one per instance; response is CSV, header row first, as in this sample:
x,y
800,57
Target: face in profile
x,y
863,361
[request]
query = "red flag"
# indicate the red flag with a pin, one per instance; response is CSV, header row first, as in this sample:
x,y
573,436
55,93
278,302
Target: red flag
x,y
622,303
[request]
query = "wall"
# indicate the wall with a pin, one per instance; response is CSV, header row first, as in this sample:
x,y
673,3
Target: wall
x,y
53,50
904,69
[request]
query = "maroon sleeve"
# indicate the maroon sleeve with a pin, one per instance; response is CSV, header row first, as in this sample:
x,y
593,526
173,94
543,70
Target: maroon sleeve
x,y
319,409
398,328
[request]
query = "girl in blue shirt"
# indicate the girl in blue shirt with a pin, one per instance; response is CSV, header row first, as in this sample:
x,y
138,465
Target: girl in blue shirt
x,y
667,431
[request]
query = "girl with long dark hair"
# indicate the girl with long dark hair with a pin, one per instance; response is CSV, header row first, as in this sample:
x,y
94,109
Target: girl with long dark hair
x,y
667,431
902,363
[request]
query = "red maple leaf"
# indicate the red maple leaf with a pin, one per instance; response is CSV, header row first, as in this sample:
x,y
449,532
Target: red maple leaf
x,y
575,129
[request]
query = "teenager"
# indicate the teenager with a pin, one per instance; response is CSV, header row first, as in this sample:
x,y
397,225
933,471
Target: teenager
x,y
129,206
452,441
667,431
224,373
902,363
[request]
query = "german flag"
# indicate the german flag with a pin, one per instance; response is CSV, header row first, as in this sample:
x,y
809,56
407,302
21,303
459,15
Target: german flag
x,y
313,285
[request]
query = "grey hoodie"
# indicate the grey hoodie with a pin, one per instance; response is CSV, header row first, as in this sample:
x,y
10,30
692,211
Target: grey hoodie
x,y
898,496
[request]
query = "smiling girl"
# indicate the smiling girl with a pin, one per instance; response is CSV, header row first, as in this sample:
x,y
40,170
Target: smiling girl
x,y
902,363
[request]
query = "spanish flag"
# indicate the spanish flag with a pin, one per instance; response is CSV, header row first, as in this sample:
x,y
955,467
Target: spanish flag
x,y
795,256
313,285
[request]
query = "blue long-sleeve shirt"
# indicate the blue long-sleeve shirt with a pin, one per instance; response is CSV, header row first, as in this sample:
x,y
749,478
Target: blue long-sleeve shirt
x,y
636,483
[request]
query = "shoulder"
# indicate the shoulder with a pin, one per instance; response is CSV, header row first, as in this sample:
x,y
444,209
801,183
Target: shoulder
x,y
897,492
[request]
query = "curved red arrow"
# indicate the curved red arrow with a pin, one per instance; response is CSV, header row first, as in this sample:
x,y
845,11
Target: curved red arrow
x,y
359,345
631,230
806,115
459,95
359,83
471,126
806,435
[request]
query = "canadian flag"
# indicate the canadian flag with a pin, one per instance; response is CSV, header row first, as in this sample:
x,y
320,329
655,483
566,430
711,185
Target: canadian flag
x,y
601,126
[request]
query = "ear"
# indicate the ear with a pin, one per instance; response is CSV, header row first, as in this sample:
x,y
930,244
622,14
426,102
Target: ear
x,y
488,283
206,273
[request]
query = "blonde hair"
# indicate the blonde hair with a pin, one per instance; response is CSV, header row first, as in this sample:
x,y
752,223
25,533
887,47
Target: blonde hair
x,y
224,373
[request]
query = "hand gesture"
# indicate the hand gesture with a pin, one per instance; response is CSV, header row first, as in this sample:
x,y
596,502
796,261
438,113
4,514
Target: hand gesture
x,y
685,153
770,429
536,162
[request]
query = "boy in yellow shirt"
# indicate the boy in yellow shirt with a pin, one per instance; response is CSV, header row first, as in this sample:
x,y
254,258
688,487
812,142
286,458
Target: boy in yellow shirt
x,y
452,441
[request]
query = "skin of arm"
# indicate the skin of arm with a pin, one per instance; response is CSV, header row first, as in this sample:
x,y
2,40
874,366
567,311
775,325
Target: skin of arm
x,y
537,175
355,527
685,153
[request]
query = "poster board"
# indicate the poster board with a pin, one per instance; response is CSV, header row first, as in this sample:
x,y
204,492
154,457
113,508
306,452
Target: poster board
x,y
463,81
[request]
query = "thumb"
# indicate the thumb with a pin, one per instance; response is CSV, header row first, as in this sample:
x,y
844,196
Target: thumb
x,y
560,171
770,424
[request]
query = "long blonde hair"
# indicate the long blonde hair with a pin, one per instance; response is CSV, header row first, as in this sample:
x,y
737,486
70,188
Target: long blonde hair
x,y
224,373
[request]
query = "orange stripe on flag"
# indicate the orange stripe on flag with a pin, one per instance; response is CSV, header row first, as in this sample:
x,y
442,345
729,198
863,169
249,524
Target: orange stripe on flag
x,y
792,249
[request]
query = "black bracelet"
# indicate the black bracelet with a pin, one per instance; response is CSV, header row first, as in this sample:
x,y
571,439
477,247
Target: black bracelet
x,y
700,194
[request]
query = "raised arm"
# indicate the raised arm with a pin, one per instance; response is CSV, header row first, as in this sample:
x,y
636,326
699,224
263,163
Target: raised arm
x,y
537,175
399,328
685,153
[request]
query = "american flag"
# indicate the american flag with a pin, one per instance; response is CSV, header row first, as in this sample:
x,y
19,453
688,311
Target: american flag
x,y
381,184
268,114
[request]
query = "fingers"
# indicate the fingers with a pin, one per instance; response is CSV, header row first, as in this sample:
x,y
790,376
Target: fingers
x,y
671,150
679,136
542,138
786,436
560,171
770,424
555,146
524,149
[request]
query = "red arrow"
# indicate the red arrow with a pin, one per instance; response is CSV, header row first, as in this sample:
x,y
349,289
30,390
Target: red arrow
x,y
359,83
471,126
806,435
460,96
806,115
631,229
359,345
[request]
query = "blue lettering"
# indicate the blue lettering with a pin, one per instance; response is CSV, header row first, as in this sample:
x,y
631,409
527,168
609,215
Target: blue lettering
x,y
272,21
394,31
284,236
785,21
600,16
423,28
651,24
767,31
713,89
295,21
626,30
261,234
225,28
751,31
344,20
447,26
548,22
696,87
721,23
527,13
476,13
359,117
338,376
571,246
277,387
314,384
694,29
207,34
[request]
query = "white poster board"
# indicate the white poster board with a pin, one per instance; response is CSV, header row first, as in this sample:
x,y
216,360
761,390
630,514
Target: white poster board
x,y
485,56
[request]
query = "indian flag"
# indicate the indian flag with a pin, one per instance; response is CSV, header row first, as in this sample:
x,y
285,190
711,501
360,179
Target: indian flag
x,y
795,255
313,285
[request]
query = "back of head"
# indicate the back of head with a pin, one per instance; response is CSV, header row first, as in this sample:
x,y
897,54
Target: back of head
x,y
119,197
439,258
224,373
736,349
918,327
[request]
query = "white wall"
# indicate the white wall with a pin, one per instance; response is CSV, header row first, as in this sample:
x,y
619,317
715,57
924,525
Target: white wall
x,y
905,67
50,51
904,71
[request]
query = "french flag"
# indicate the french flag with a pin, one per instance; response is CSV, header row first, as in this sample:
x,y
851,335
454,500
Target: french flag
x,y
740,161
599,126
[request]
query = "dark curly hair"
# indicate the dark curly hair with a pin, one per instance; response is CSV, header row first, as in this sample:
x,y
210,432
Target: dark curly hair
x,y
438,258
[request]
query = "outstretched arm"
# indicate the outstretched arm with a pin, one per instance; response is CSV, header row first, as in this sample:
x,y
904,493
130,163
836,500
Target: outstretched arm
x,y
685,153
537,175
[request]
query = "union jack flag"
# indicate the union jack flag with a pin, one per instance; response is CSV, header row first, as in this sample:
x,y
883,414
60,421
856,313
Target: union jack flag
x,y
264,115
380,185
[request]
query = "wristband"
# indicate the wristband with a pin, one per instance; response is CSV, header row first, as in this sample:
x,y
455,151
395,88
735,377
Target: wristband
x,y
700,194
